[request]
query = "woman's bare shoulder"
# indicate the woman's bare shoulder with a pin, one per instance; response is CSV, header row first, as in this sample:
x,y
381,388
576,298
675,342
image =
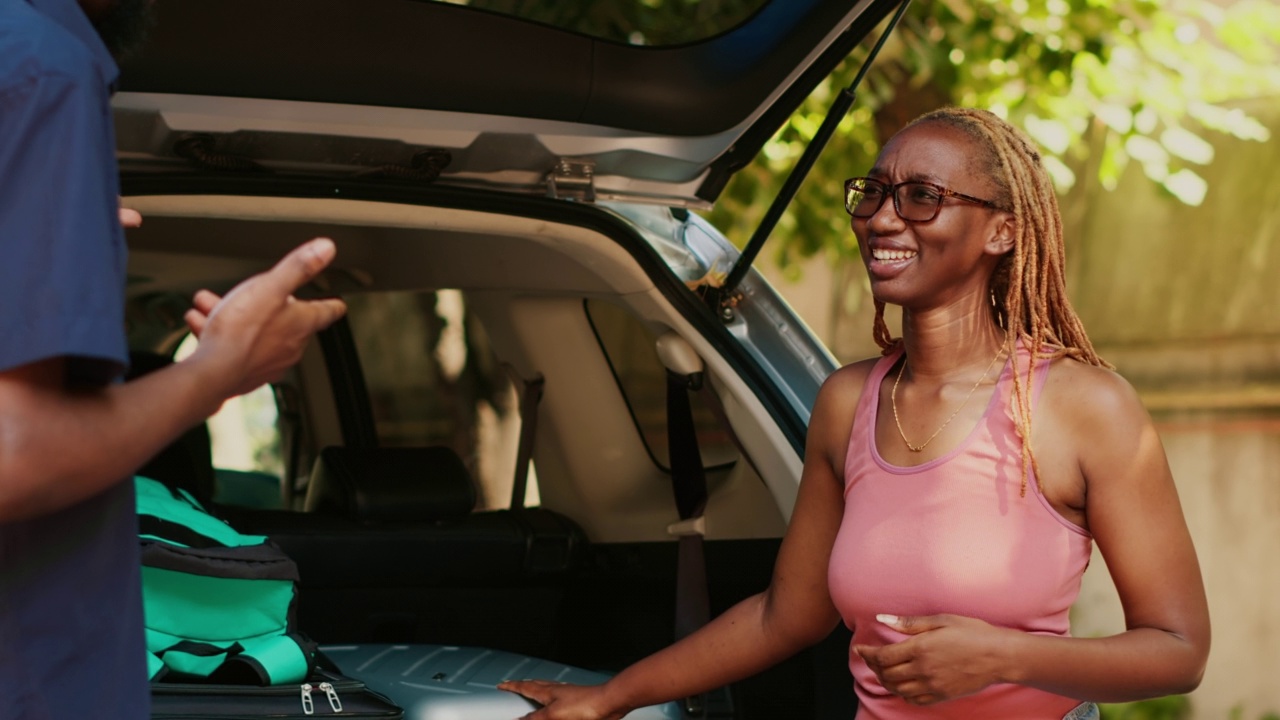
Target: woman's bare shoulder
x,y
844,386
1092,399
838,400
832,418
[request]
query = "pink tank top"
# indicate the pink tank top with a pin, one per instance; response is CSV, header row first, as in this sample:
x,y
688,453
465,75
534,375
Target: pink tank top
x,y
953,536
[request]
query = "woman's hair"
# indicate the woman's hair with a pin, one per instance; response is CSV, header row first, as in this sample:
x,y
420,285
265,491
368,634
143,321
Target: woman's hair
x,y
1028,286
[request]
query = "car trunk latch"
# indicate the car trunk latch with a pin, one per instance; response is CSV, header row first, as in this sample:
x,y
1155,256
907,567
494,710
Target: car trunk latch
x,y
572,180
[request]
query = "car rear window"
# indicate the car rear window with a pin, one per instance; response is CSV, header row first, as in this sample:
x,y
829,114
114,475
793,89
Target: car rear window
x,y
432,379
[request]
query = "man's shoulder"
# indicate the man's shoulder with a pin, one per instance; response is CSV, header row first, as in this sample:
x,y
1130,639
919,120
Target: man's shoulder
x,y
34,47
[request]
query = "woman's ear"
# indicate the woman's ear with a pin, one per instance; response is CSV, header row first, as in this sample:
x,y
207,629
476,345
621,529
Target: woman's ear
x,y
1002,239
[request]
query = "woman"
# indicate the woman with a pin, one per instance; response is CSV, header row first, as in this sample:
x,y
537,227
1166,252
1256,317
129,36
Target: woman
x,y
950,546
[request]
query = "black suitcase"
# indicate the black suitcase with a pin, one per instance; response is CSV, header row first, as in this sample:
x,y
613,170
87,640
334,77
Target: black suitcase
x,y
325,694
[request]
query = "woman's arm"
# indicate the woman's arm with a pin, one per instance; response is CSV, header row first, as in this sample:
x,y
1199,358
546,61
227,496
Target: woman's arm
x,y
1137,521
793,613
1132,510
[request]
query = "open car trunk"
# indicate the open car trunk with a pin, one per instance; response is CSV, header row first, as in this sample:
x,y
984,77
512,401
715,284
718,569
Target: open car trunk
x,y
575,295
509,201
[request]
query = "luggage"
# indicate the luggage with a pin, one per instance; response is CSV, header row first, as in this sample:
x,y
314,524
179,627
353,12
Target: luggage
x,y
218,604
324,694
448,682
220,628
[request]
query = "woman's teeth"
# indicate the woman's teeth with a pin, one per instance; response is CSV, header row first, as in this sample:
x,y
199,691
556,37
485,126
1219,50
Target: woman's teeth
x,y
890,255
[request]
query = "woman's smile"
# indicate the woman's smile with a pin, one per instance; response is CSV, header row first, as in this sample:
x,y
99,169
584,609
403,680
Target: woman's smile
x,y
888,262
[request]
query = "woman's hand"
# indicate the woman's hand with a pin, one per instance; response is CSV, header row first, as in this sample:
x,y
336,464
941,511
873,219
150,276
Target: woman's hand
x,y
948,656
561,701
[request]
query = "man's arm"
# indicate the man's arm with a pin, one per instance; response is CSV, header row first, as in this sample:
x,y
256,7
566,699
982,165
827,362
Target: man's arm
x,y
60,445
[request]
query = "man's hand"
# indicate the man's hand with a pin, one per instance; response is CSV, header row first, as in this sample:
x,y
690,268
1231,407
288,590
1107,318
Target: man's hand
x,y
948,656
561,701
130,218
259,330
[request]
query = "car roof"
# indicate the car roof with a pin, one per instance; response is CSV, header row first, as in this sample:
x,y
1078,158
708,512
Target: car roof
x,y
508,100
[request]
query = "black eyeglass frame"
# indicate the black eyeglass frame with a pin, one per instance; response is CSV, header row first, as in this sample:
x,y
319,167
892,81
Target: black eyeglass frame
x,y
892,191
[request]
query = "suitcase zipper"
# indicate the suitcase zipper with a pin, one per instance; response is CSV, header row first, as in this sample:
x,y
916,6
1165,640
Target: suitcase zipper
x,y
214,689
332,694
307,707
305,690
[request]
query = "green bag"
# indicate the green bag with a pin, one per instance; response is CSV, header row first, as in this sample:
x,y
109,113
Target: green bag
x,y
219,606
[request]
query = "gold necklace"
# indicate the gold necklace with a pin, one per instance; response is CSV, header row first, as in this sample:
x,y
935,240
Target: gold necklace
x,y
893,399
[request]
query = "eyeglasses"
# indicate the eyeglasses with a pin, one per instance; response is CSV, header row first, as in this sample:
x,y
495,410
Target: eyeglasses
x,y
913,200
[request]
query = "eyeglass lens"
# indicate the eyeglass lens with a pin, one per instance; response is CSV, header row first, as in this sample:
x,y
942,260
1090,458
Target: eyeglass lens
x,y
917,202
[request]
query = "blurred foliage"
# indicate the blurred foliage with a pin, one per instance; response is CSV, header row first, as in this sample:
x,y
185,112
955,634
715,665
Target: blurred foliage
x,y
1237,713
248,436
635,22
262,426
1139,80
1099,84
1174,707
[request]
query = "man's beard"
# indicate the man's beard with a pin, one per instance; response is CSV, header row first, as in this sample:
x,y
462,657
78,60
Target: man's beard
x,y
124,27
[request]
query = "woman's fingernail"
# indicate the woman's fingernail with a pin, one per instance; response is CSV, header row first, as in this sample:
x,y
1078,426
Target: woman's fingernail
x,y
887,619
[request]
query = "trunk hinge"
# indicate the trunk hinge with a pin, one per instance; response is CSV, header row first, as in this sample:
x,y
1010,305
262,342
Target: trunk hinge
x,y
572,180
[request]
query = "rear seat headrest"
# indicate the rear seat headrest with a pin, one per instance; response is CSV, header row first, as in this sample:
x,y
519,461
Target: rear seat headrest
x,y
391,484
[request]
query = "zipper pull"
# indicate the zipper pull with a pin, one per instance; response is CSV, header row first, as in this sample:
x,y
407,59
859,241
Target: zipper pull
x,y
334,702
307,707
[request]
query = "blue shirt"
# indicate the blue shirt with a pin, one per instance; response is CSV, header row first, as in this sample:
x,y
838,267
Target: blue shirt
x,y
71,638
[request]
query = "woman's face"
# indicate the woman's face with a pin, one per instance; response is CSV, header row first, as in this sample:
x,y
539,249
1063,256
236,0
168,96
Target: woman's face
x,y
923,265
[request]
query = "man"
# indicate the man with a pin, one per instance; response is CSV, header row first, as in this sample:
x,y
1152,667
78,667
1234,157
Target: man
x,y
71,638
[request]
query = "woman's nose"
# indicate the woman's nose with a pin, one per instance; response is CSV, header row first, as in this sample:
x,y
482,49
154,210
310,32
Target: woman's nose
x,y
886,219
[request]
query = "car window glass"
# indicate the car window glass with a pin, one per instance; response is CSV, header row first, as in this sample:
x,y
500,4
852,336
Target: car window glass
x,y
639,22
631,349
245,442
432,379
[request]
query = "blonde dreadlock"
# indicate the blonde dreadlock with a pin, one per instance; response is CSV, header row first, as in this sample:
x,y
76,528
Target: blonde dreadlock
x,y
1028,287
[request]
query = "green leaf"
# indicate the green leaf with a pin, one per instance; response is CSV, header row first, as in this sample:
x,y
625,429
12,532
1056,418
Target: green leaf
x,y
1122,67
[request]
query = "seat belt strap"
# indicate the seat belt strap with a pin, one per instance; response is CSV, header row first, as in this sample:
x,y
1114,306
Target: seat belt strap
x,y
289,405
689,485
530,397
689,481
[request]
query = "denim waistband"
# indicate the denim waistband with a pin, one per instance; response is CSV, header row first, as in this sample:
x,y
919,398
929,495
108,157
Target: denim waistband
x,y
1084,711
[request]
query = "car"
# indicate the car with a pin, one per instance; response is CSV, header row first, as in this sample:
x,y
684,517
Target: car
x,y
492,450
